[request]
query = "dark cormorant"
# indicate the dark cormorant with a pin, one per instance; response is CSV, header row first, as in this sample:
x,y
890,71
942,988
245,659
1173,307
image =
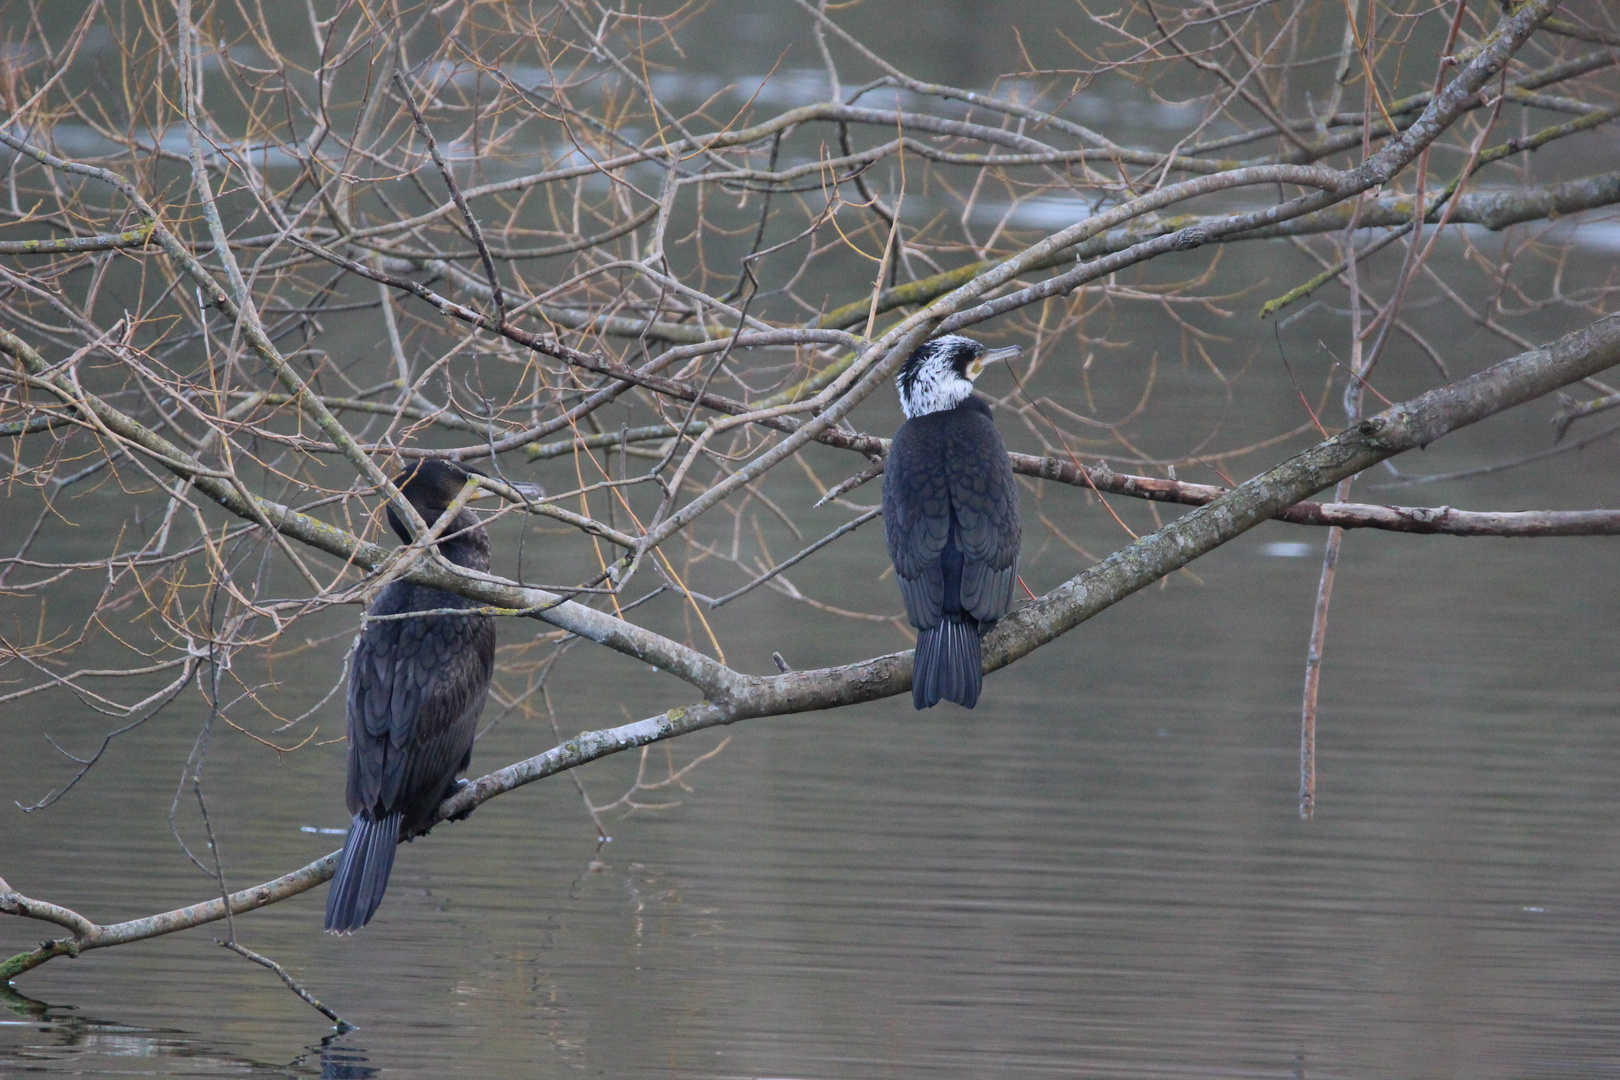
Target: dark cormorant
x,y
950,514
416,687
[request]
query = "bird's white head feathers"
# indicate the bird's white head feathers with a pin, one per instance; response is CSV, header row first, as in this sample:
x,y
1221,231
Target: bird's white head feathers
x,y
939,374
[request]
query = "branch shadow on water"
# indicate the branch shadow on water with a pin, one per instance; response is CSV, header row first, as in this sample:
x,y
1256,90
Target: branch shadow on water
x,y
46,1039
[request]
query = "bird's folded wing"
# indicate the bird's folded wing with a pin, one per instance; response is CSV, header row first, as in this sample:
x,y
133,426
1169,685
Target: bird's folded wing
x,y
416,687
917,524
984,498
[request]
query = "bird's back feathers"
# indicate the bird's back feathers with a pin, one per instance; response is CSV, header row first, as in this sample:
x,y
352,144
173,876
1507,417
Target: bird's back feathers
x,y
416,689
948,482
950,516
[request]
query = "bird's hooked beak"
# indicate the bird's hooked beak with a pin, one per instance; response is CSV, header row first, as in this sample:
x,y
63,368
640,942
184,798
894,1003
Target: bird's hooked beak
x,y
530,491
991,357
490,487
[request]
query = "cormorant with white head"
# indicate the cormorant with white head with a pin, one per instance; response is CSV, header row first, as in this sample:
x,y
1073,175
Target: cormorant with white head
x,y
416,687
950,515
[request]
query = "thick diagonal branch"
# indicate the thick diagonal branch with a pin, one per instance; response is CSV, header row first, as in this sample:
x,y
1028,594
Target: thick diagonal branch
x,y
1403,427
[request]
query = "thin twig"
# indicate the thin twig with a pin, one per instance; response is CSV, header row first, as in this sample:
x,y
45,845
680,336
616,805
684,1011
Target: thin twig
x,y
292,984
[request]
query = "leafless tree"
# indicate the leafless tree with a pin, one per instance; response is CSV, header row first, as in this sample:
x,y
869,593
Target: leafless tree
x,y
572,252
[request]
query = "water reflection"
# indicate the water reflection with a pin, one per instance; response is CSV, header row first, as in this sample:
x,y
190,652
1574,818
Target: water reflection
x,y
340,1061
55,1035
52,1038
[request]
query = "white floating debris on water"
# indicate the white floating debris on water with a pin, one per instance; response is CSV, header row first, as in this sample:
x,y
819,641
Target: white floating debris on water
x,y
1285,549
323,832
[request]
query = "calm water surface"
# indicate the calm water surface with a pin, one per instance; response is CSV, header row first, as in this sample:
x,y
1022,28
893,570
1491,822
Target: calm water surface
x,y
1098,872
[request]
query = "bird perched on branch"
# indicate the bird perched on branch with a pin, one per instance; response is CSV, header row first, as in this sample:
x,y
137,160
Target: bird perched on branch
x,y
950,515
416,687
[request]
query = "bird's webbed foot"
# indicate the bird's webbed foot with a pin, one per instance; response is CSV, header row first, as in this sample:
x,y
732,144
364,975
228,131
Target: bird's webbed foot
x,y
455,786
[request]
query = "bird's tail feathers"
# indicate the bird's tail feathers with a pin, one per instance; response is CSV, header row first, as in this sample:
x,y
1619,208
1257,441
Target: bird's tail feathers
x,y
362,874
949,665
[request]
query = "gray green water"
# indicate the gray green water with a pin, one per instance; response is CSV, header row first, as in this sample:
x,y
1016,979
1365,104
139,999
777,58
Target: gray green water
x,y
1098,872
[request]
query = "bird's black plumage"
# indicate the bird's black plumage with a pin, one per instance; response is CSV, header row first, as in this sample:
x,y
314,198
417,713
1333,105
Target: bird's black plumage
x,y
950,515
416,688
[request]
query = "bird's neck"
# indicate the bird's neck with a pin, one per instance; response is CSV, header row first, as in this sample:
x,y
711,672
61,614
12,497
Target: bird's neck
x,y
936,397
470,548
465,544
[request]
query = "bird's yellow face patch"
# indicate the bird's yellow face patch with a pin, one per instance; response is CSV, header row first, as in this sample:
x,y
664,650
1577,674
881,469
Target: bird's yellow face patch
x,y
975,369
